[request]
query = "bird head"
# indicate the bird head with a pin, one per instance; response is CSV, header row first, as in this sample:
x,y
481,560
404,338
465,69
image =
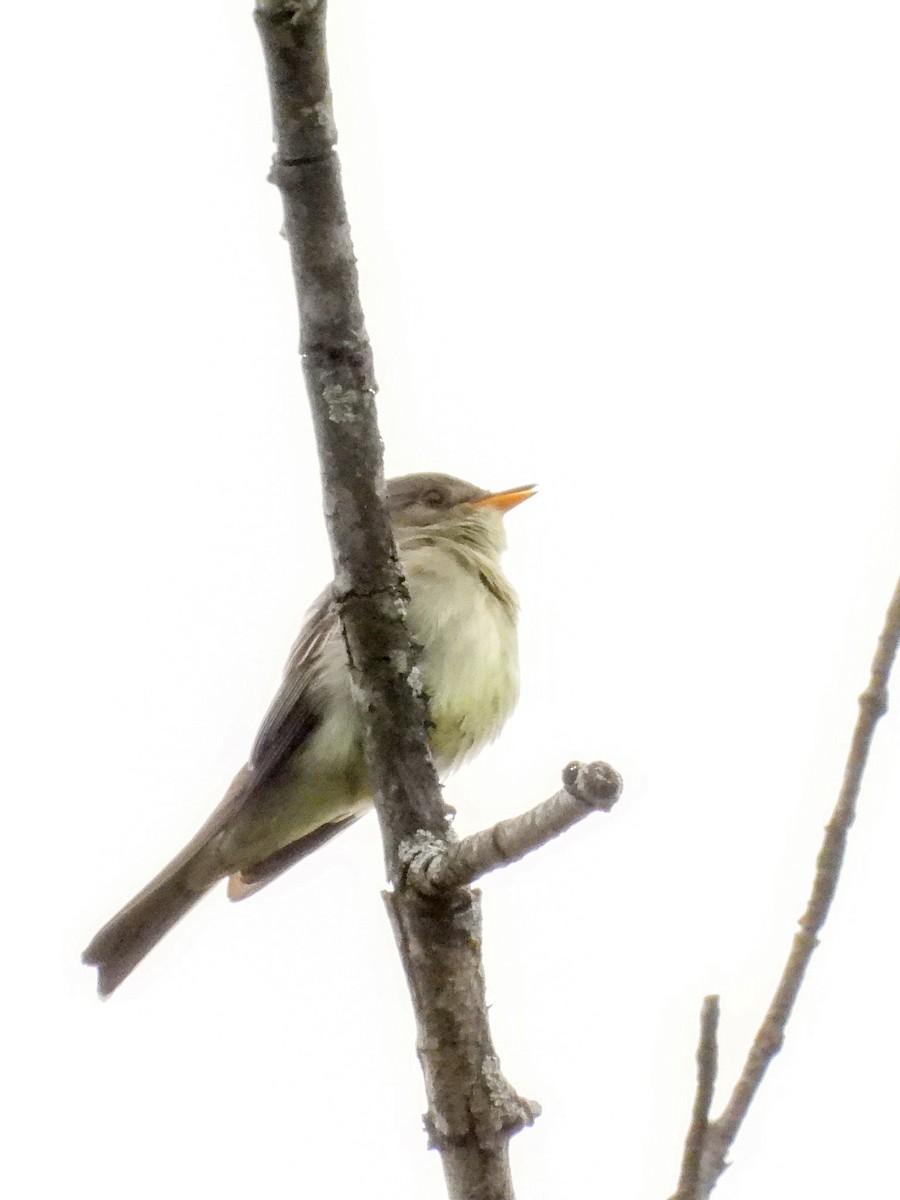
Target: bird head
x,y
450,507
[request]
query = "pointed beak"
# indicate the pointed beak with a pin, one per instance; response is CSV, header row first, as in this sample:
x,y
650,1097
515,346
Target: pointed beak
x,y
504,501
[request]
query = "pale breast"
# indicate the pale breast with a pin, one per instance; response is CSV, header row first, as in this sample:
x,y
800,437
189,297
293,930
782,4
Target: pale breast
x,y
467,628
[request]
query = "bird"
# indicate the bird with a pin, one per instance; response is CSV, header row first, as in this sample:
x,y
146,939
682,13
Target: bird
x,y
306,777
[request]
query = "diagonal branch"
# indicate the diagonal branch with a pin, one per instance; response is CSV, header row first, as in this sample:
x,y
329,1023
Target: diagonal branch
x,y
435,866
770,1036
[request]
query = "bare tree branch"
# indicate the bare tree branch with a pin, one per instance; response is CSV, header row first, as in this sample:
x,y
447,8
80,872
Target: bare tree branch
x,y
435,866
770,1036
707,1069
340,381
473,1110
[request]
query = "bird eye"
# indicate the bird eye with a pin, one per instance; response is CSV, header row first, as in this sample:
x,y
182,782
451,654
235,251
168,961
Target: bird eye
x,y
434,498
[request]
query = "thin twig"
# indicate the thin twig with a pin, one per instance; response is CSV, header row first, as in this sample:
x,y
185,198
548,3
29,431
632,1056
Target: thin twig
x,y
770,1036
707,1069
435,866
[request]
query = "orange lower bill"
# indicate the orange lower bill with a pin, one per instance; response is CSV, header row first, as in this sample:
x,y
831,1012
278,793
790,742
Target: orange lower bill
x,y
504,501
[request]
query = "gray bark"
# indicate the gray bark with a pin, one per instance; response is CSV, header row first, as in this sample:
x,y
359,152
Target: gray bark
x,y
472,1110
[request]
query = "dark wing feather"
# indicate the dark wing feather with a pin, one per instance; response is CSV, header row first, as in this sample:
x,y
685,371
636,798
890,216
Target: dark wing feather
x,y
295,711
248,881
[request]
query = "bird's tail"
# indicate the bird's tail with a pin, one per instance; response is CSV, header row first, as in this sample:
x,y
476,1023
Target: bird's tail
x,y
122,942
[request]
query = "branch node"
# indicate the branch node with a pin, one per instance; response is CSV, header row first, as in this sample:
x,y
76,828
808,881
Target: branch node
x,y
508,1115
595,784
424,862
875,699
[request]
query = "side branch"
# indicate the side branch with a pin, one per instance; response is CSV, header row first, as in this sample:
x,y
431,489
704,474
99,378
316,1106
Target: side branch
x,y
770,1036
434,866
707,1069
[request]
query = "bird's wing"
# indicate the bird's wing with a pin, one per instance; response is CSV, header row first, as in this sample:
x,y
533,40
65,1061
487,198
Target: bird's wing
x,y
249,880
296,710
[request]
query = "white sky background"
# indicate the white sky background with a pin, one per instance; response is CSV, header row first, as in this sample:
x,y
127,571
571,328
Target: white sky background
x,y
644,254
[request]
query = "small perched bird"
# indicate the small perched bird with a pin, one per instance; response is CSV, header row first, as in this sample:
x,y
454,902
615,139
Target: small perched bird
x,y
306,778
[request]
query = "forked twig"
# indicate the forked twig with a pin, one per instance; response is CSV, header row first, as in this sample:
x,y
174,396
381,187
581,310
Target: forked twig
x,y
720,1134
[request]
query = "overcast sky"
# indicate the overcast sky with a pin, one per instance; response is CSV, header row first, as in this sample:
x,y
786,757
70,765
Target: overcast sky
x,y
644,254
